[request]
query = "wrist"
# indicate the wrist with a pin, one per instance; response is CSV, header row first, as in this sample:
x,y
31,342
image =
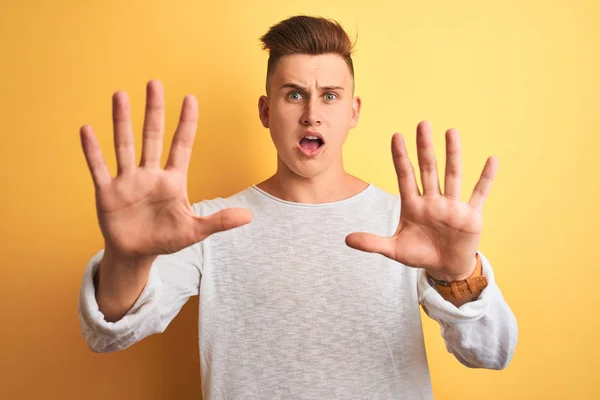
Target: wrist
x,y
462,291
448,278
118,273
118,283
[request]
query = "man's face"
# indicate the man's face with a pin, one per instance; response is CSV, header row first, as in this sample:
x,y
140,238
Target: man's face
x,y
309,111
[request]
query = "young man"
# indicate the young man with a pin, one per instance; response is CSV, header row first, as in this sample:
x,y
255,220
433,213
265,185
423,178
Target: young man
x,y
309,282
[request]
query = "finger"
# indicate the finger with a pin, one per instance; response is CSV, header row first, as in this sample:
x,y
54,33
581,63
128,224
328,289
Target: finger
x,y
93,156
372,243
123,132
153,124
183,140
223,220
453,177
427,162
484,185
407,183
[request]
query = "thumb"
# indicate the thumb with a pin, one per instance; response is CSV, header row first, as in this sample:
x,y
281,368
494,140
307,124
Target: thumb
x,y
372,243
223,220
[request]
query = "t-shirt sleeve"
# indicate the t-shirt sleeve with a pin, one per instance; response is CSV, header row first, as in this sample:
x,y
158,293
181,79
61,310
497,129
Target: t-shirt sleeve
x,y
173,279
480,334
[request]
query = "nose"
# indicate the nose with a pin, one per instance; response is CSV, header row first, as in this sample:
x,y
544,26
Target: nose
x,y
312,114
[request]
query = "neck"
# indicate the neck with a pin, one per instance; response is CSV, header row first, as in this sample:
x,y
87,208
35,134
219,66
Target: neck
x,y
334,184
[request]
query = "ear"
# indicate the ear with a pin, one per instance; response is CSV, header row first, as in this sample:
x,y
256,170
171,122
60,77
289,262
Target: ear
x,y
263,110
356,104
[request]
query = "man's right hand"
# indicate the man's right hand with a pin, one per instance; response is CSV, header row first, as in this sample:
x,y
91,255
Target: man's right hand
x,y
144,210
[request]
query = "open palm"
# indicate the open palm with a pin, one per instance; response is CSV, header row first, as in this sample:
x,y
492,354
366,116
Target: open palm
x,y
144,210
437,232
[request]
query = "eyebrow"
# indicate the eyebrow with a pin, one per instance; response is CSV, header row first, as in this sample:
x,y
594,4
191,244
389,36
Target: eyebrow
x,y
304,88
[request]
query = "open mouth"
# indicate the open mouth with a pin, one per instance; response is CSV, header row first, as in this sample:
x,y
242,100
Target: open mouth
x,y
310,144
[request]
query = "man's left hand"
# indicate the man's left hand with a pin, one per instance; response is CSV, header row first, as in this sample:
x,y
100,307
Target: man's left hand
x,y
437,232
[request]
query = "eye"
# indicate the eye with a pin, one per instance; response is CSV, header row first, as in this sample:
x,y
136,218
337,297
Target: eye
x,y
295,96
330,97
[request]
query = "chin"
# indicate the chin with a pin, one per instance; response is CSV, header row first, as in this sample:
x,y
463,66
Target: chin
x,y
305,168
308,173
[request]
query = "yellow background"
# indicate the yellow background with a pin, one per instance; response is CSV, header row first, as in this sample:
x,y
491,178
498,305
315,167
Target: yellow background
x,y
519,79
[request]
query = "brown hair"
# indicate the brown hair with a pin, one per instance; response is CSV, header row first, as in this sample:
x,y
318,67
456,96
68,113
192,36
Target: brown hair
x,y
307,35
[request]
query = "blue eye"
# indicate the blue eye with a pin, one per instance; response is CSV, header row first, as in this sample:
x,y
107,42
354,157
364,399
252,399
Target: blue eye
x,y
295,96
330,96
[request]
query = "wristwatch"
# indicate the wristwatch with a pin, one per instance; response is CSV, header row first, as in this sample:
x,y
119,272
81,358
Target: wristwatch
x,y
467,289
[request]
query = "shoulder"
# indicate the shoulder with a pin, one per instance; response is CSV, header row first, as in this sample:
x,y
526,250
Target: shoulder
x,y
377,207
378,211
243,199
382,199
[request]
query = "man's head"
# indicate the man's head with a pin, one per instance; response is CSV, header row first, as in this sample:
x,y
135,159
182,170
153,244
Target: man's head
x,y
310,87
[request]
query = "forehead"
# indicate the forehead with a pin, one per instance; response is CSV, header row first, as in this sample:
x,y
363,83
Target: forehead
x,y
308,70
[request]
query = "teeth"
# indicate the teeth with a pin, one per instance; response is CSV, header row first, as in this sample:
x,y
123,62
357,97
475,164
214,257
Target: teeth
x,y
311,137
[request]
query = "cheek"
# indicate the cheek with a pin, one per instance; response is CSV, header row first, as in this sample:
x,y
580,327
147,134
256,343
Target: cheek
x,y
282,123
341,117
284,117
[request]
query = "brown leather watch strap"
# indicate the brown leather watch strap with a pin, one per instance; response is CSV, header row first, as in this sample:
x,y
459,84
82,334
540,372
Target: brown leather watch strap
x,y
465,289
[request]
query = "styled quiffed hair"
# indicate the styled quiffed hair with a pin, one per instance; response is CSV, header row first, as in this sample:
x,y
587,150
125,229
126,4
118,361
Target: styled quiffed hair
x,y
306,35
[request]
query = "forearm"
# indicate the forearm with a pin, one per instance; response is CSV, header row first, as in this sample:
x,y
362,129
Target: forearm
x,y
481,333
119,283
485,342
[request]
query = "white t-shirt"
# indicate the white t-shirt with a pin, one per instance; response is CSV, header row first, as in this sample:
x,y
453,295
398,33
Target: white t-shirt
x,y
289,311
